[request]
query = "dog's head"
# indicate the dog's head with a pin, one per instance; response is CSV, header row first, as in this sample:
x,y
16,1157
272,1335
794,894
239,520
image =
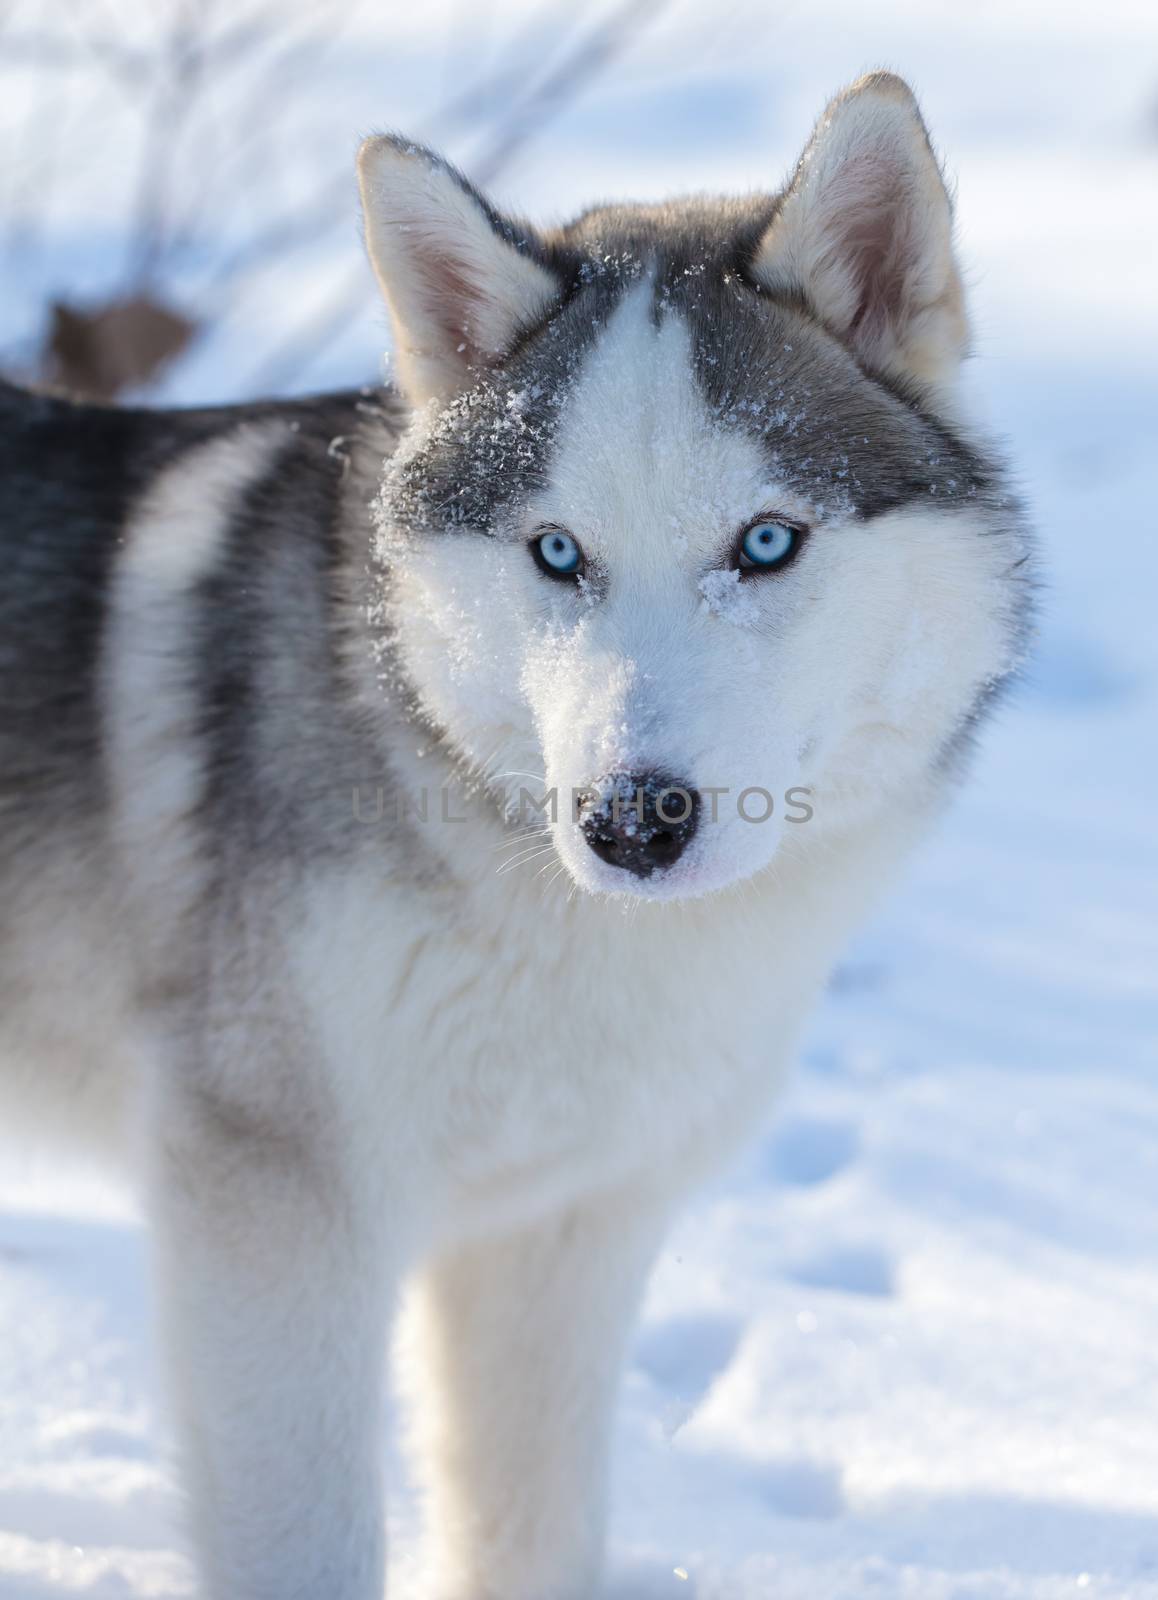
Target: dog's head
x,y
684,521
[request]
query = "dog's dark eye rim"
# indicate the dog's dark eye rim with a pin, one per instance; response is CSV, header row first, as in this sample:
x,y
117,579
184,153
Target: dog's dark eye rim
x,y
751,569
549,530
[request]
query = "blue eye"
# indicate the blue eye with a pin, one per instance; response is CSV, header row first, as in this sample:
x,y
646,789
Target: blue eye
x,y
557,554
765,546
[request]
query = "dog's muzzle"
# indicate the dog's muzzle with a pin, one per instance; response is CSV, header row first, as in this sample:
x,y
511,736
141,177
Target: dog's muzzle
x,y
641,822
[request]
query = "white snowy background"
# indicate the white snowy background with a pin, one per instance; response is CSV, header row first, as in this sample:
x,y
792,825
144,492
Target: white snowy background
x,y
910,1347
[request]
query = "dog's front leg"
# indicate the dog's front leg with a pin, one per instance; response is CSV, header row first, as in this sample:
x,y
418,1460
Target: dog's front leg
x,y
514,1349
273,1296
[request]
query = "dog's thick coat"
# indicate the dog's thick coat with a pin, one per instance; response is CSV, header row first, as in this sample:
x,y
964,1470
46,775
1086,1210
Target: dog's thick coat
x,y
274,912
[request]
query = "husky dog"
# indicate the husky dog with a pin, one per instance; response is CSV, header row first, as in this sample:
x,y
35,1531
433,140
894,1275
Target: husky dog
x,y
681,537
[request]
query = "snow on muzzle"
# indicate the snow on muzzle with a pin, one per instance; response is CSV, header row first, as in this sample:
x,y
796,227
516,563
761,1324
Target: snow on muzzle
x,y
640,822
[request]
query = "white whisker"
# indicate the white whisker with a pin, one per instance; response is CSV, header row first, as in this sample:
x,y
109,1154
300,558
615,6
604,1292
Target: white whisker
x,y
522,837
524,859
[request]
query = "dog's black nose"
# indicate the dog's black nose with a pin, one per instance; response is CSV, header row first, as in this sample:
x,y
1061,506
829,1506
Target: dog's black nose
x,y
641,822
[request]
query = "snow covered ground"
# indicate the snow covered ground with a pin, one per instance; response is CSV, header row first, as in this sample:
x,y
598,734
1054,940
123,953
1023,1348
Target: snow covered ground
x,y
910,1347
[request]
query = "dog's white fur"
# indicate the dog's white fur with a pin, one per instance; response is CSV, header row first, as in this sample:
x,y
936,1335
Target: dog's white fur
x,y
496,1088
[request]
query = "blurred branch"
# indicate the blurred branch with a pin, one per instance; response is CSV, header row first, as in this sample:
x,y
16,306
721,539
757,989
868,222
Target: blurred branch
x,y
560,87
174,96
199,76
555,92
43,50
315,335
544,103
277,69
476,103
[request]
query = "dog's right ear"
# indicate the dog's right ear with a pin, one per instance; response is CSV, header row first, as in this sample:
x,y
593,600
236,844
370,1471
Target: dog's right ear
x,y
460,281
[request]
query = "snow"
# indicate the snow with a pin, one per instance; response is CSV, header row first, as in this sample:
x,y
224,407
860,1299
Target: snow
x,y
909,1347
725,595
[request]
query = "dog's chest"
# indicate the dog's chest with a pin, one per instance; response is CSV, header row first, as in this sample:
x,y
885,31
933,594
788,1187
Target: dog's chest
x,y
523,1057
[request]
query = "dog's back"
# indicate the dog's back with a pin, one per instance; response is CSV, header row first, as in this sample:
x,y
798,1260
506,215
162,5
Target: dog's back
x,y
68,476
78,488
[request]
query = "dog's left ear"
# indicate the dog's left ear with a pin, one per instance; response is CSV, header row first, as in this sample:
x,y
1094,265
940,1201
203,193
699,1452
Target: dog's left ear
x,y
865,234
460,281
